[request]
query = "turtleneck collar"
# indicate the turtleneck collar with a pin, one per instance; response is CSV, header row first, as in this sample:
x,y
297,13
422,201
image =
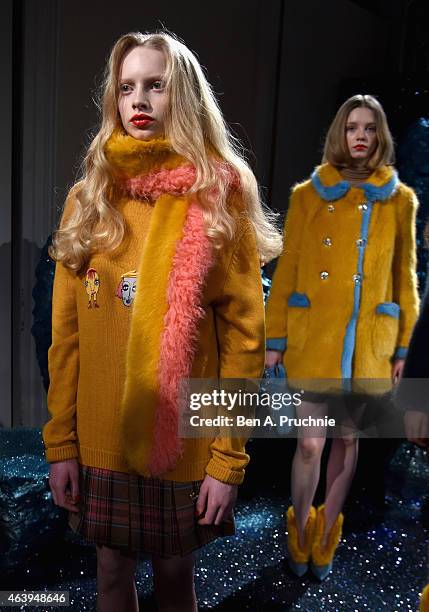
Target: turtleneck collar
x,y
331,186
355,174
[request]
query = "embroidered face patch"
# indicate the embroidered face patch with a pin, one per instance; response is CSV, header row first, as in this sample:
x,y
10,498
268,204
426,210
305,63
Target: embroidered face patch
x,y
92,285
127,288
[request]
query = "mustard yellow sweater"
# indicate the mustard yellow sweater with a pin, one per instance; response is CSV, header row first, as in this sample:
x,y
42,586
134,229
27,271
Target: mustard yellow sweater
x,y
91,319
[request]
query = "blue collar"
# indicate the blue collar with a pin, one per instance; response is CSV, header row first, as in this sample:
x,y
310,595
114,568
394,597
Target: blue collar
x,y
372,188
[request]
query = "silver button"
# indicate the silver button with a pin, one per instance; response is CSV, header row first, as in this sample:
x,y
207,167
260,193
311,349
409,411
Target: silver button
x,y
324,275
360,242
357,278
363,207
331,208
327,241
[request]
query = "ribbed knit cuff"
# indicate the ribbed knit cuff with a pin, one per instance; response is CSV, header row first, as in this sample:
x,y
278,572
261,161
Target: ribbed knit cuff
x,y
215,470
61,453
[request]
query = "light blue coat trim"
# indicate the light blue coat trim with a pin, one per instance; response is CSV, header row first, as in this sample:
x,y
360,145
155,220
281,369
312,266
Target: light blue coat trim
x,y
298,299
276,344
332,193
381,193
400,352
372,192
350,336
388,308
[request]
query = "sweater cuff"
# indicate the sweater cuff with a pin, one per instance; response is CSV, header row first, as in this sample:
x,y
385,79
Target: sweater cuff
x,y
223,474
276,344
61,453
400,352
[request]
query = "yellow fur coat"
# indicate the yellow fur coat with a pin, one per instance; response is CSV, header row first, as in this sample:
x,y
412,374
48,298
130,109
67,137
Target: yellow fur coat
x,y
344,299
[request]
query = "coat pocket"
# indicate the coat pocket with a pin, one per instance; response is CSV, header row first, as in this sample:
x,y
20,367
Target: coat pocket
x,y
385,329
297,320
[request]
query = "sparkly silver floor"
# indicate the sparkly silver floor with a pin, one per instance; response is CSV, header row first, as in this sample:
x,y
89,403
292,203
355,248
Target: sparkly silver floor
x,y
381,563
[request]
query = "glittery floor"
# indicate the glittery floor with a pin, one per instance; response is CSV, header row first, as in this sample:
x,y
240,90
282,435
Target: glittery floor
x,y
381,563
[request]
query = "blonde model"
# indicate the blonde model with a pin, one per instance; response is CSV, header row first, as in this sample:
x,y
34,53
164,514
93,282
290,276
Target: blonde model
x,y
167,217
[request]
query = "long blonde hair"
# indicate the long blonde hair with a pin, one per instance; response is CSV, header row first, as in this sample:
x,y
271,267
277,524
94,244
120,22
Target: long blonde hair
x,y
336,151
194,125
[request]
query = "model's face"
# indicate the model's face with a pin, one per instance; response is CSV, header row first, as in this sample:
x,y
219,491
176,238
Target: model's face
x,y
361,134
142,98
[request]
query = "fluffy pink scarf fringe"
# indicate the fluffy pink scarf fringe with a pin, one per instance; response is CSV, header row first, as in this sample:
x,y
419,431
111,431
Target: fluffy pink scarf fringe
x,y
191,262
176,181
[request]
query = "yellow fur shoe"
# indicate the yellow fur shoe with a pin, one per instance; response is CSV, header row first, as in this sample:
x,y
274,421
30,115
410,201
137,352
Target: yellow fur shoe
x,y
322,557
298,558
424,600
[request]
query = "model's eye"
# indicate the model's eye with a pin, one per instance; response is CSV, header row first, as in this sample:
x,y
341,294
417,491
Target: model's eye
x,y
134,288
86,283
371,128
96,282
125,287
125,88
158,85
350,128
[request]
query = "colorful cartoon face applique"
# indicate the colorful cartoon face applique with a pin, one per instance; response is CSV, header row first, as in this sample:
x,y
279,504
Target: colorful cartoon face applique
x,y
127,288
92,285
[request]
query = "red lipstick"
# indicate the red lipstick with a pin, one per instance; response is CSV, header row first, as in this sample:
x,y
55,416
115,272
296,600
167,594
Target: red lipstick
x,y
141,120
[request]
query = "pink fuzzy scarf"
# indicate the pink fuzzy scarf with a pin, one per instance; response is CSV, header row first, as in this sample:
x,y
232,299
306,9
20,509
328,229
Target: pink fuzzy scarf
x,y
175,181
191,262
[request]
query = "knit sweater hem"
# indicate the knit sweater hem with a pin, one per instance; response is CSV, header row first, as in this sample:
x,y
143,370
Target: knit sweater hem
x,y
186,472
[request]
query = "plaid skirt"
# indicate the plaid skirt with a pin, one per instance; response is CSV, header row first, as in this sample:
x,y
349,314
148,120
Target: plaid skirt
x,y
142,514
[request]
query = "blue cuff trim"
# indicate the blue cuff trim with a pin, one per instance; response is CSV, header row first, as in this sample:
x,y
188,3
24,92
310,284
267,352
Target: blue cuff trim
x,y
298,299
276,344
400,353
388,308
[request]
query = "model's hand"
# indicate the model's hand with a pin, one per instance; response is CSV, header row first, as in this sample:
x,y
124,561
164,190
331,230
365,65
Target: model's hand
x,y
397,368
272,358
215,501
64,484
417,427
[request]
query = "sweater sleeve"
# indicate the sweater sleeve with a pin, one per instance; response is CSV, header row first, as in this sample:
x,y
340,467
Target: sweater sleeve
x,y
285,275
59,433
240,325
404,272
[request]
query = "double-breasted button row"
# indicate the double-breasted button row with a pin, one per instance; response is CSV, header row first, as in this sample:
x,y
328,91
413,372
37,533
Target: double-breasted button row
x,y
363,207
357,278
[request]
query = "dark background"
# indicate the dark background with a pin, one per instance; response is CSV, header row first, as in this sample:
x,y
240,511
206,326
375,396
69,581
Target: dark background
x,y
280,69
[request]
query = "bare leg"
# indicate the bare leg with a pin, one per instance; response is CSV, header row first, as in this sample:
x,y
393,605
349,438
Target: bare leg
x,y
341,469
116,588
174,584
306,464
